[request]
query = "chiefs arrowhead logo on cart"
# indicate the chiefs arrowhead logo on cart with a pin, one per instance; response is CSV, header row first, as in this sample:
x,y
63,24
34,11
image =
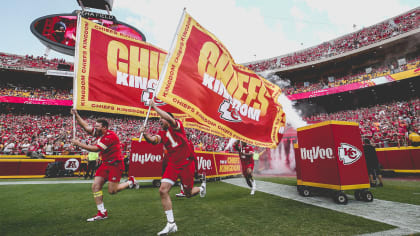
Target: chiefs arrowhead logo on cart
x,y
348,154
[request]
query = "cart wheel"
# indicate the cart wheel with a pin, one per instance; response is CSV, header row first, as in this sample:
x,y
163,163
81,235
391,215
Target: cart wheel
x,y
341,198
156,183
306,192
367,196
358,195
298,188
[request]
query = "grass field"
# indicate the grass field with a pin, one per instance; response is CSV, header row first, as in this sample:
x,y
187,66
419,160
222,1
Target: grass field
x,y
62,209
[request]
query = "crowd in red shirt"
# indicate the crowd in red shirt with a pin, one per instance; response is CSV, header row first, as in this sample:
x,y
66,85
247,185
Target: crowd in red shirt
x,y
30,91
29,61
386,125
52,134
366,36
42,93
359,76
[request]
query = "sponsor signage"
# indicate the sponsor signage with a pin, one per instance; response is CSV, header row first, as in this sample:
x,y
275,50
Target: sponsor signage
x,y
146,162
71,164
315,153
330,154
60,73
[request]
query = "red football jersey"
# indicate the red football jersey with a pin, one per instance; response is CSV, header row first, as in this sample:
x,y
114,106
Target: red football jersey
x,y
246,150
176,143
110,147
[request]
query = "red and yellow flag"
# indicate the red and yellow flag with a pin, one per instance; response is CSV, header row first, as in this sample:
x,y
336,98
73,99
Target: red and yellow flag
x,y
116,73
202,80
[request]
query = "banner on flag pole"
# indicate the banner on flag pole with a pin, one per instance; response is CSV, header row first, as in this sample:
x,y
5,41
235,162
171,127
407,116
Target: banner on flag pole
x,y
203,81
116,73
190,122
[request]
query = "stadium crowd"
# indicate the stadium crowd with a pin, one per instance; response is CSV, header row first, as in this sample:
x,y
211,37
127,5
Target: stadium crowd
x,y
29,61
41,93
51,134
387,125
358,76
34,90
361,38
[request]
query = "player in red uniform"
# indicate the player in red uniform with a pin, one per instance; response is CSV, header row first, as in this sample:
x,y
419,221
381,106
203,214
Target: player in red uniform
x,y
196,175
112,166
246,154
180,163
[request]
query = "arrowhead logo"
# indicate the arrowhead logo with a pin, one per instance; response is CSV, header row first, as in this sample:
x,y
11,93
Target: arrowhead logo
x,y
228,113
348,154
71,164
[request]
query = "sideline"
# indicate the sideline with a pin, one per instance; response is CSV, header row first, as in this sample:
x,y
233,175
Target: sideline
x,y
60,182
402,215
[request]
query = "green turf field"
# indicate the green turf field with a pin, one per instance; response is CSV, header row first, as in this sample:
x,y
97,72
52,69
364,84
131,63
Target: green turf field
x,y
62,209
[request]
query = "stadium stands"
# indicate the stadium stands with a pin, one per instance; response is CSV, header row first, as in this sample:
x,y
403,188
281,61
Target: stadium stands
x,y
386,124
15,61
27,89
377,71
389,28
20,133
26,130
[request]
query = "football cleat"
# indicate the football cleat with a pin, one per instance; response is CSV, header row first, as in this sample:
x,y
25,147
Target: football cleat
x,y
181,194
248,181
203,189
203,185
203,178
254,187
99,216
133,183
169,228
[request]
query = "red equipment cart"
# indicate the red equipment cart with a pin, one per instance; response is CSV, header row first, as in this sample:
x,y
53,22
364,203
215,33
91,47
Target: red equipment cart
x,y
329,156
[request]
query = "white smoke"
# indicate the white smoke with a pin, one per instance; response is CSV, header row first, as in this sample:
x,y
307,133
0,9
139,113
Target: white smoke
x,y
230,144
266,74
282,83
293,117
278,162
275,79
282,162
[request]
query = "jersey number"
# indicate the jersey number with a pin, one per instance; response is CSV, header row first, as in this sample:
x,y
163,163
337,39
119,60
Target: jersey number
x,y
169,136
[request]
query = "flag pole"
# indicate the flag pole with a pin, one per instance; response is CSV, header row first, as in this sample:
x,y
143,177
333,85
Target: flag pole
x,y
75,69
165,68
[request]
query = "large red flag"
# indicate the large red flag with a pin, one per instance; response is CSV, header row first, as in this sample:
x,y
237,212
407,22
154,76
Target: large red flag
x,y
202,80
116,73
